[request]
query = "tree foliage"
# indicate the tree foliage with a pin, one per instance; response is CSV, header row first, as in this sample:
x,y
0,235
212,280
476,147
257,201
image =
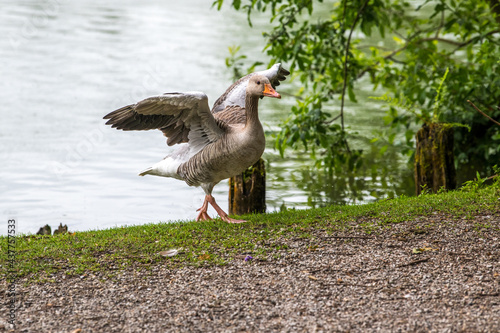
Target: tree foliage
x,y
329,46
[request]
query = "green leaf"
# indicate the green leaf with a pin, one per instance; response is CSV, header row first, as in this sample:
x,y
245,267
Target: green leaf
x,y
352,96
218,3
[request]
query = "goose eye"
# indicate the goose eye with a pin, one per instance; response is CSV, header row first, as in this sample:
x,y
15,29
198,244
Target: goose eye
x,y
258,82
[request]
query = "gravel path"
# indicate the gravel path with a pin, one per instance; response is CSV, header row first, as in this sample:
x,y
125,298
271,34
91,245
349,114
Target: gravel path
x,y
343,282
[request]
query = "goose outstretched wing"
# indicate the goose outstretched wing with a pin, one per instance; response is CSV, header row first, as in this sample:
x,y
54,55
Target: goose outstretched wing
x,y
182,117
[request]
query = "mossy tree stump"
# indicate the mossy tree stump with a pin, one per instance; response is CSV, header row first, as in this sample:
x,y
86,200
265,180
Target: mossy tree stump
x,y
434,160
247,191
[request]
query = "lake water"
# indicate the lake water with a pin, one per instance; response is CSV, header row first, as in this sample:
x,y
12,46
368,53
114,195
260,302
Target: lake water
x,y
66,64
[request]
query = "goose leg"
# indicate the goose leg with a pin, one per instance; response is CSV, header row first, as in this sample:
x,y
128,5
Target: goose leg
x,y
203,215
210,199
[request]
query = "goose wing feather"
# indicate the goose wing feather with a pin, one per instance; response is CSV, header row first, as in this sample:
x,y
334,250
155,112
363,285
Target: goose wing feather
x,y
232,115
182,117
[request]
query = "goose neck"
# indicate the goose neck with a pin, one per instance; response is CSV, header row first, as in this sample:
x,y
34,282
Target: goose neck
x,y
251,107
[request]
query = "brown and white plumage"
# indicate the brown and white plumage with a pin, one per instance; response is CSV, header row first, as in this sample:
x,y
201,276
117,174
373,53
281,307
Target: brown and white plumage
x,y
213,147
235,94
172,113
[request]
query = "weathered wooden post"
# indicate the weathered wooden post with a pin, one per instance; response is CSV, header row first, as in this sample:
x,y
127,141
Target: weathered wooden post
x,y
434,160
247,191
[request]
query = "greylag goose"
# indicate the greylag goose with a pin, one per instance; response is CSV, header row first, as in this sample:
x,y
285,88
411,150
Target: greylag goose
x,y
212,149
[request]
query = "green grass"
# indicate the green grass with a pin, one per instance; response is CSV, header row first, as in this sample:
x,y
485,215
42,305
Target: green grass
x,y
206,243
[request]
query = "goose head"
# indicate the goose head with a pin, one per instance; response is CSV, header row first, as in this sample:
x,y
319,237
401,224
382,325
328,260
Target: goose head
x,y
260,85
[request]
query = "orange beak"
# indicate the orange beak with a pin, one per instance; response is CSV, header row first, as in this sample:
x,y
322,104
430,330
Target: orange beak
x,y
270,92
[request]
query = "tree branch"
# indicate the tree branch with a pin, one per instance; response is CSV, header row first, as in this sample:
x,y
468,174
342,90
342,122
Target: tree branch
x,y
358,15
332,120
484,114
458,45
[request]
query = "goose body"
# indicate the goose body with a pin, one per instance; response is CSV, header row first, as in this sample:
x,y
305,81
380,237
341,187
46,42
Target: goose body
x,y
222,159
212,145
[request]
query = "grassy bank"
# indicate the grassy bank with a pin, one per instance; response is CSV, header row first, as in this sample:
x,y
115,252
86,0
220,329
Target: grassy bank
x,y
200,243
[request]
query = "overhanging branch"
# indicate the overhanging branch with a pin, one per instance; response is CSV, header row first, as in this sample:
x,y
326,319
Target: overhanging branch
x,y
415,40
484,114
358,15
